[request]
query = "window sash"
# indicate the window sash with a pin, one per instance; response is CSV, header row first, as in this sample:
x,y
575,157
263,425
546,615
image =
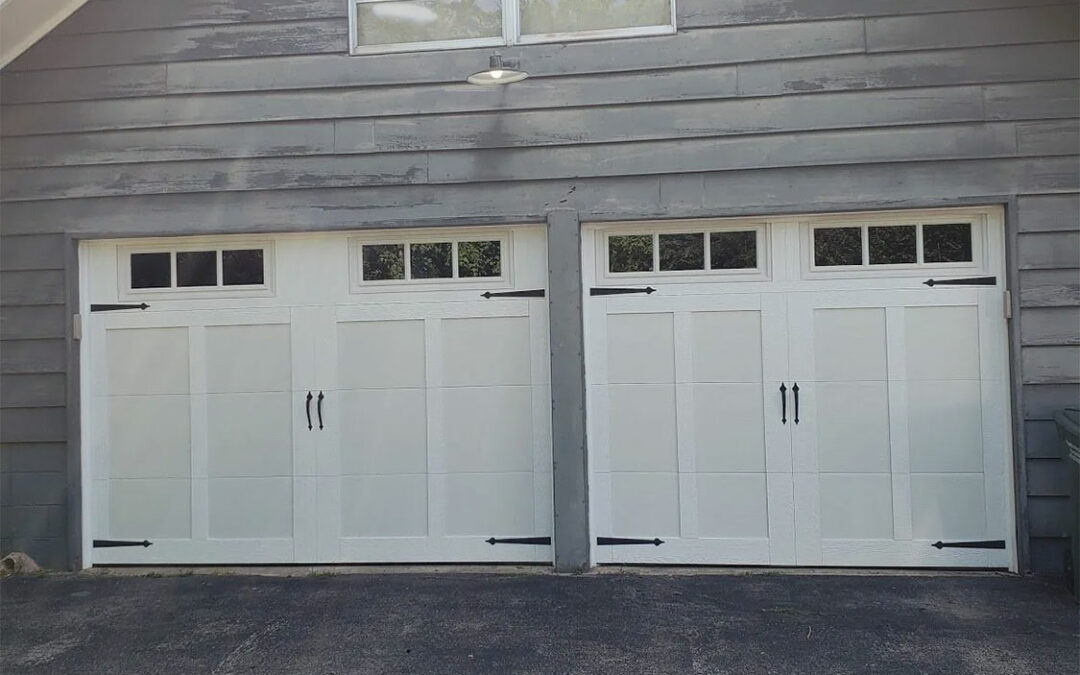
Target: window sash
x,y
511,33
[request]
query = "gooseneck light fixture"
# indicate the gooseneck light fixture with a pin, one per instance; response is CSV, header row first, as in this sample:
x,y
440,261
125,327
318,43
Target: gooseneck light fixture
x,y
498,73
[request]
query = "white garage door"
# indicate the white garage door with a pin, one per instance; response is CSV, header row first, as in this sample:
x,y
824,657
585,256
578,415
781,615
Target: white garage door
x,y
337,398
791,392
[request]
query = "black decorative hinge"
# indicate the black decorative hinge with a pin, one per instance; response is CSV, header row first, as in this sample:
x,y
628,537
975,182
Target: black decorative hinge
x,y
971,281
621,541
996,543
117,543
536,541
537,293
648,290
113,308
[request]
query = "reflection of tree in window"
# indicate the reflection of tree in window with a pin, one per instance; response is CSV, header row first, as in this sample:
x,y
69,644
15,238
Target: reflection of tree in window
x,y
565,16
947,243
384,262
479,259
630,253
835,246
733,250
427,21
431,261
682,252
892,245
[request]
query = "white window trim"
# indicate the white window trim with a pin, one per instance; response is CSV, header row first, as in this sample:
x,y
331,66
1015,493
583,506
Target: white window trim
x,y
357,283
174,292
655,229
511,33
977,263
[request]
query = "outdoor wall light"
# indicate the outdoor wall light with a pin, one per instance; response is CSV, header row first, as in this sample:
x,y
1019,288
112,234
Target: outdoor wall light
x,y
498,73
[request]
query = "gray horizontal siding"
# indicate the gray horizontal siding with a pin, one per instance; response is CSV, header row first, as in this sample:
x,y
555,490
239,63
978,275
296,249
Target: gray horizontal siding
x,y
140,117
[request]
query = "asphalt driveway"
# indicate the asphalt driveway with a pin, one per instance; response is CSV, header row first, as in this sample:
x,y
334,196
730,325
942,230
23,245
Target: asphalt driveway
x,y
537,623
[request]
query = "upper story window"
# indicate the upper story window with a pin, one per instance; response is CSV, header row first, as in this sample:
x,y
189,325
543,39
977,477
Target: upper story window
x,y
382,26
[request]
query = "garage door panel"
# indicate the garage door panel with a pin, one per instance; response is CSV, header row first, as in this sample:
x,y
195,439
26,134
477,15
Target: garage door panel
x,y
384,506
729,428
489,504
856,506
149,508
250,508
849,344
726,346
946,428
732,505
852,422
263,364
641,348
942,343
383,431
942,506
147,361
488,428
149,437
250,434
486,351
378,354
642,427
645,504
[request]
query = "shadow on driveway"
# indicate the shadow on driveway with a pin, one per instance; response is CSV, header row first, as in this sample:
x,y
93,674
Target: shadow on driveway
x,y
537,623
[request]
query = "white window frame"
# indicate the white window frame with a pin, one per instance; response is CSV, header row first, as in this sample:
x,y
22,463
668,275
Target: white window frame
x,y
511,33
175,292
978,262
358,284
758,273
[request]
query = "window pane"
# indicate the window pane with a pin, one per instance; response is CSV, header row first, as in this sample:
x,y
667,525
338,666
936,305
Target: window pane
x,y
479,259
893,245
431,261
630,253
383,262
151,270
571,16
382,23
196,268
837,246
242,268
682,252
733,250
947,243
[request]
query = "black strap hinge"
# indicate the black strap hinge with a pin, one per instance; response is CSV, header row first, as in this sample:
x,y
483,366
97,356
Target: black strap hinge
x,y
996,543
648,290
535,293
113,308
535,541
622,541
117,543
971,281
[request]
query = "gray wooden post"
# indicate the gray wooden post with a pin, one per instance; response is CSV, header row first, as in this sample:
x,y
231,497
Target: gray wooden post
x,y
570,464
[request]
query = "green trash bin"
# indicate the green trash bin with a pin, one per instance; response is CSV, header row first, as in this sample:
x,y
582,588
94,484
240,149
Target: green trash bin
x,y
1068,425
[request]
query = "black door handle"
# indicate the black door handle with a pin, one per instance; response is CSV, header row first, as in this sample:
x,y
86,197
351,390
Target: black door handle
x,y
308,407
795,390
783,403
319,408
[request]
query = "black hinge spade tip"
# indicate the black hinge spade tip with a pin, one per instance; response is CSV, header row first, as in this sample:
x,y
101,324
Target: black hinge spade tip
x,y
535,541
972,281
624,541
993,544
117,543
114,308
535,293
648,290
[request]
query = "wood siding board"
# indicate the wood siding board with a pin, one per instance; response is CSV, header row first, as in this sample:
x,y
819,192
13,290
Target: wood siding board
x,y
1050,250
1049,213
1048,137
1050,516
1053,61
1042,440
1033,100
37,287
32,457
186,44
33,390
693,13
1051,365
36,321
32,252
234,141
1049,288
981,26
1048,478
1048,555
32,356
1042,400
1050,326
81,84
132,15
33,425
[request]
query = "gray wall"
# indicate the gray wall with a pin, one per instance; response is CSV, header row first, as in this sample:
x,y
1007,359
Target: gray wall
x,y
246,115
